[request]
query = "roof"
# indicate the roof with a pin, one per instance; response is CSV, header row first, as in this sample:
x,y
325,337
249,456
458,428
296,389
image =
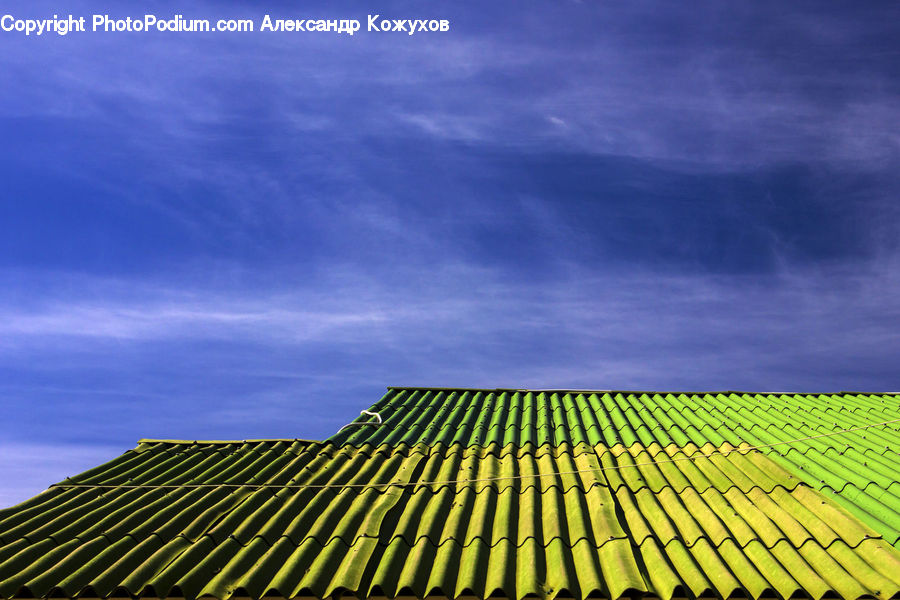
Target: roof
x,y
491,493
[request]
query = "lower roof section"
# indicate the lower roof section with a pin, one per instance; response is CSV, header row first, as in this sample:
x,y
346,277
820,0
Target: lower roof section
x,y
297,518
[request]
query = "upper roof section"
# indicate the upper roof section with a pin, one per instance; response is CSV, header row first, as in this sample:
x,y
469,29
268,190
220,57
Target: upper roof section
x,y
473,417
281,519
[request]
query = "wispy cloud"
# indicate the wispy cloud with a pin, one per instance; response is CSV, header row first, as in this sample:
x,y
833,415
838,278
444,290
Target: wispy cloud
x,y
659,330
722,94
29,468
160,321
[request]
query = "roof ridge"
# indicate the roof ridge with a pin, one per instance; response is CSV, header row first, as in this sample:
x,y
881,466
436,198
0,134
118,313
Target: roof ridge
x,y
248,441
626,391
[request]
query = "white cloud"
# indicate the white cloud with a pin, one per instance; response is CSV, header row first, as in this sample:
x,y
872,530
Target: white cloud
x,y
144,321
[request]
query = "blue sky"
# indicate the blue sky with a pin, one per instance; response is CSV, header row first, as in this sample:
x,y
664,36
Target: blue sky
x,y
244,236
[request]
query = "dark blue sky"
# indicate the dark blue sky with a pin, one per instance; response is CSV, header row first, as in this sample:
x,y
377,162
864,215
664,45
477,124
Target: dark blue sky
x,y
243,236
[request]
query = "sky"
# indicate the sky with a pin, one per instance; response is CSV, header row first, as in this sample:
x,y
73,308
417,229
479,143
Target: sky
x,y
238,236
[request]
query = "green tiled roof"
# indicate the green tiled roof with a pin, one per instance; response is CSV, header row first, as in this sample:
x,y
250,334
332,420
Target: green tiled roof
x,y
490,493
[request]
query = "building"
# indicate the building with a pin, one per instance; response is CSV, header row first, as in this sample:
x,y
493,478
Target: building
x,y
454,493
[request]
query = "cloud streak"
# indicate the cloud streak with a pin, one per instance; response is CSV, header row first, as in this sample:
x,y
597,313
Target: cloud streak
x,y
143,322
27,469
731,328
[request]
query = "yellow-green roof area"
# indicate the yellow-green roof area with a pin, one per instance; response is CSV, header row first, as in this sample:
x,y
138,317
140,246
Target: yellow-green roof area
x,y
491,493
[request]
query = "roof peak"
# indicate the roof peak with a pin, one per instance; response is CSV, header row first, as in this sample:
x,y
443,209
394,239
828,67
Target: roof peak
x,y
623,391
256,441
